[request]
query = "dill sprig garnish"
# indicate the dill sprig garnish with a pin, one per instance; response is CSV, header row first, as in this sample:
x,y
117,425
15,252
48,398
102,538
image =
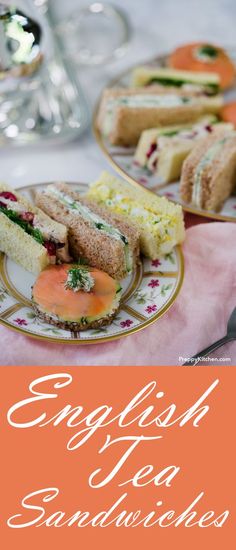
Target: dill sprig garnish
x,y
79,278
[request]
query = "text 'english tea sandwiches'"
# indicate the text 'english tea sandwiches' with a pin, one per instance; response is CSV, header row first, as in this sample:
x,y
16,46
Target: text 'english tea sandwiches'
x,y
198,83
107,241
27,235
124,113
160,221
162,151
209,172
76,297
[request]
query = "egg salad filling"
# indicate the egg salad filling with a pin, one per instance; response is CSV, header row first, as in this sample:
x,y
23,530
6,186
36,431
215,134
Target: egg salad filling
x,y
162,227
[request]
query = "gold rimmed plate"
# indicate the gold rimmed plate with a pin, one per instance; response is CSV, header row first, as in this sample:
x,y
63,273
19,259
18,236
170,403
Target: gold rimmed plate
x,y
146,295
122,159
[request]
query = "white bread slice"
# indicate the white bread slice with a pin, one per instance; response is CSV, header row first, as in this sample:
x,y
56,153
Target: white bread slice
x,y
173,150
141,76
21,247
56,229
150,136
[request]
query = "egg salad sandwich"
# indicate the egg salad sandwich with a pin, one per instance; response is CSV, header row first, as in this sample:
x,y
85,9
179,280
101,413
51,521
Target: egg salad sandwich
x,y
107,241
124,113
76,297
209,172
27,235
197,83
162,151
160,222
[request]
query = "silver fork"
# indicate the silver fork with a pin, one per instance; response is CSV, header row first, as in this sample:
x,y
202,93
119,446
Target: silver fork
x,y
230,335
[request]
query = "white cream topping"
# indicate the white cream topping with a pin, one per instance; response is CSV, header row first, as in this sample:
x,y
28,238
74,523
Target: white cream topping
x,y
79,278
142,101
12,205
168,100
40,224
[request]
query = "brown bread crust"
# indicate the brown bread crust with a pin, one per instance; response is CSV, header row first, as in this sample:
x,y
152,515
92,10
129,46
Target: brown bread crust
x,y
129,123
99,249
218,177
72,326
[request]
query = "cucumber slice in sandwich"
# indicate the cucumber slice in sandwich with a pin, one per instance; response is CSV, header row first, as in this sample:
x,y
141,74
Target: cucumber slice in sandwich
x,y
206,83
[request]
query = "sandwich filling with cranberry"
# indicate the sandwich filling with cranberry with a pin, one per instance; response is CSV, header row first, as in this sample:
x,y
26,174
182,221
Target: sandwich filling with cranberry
x,y
25,227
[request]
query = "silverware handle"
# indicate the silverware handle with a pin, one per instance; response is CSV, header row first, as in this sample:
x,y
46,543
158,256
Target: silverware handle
x,y
205,352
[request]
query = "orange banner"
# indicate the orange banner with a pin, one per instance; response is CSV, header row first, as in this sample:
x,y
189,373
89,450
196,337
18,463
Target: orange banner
x,y
117,457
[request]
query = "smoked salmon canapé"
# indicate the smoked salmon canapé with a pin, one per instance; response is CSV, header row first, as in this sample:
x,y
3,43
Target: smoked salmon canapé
x,y
200,57
76,297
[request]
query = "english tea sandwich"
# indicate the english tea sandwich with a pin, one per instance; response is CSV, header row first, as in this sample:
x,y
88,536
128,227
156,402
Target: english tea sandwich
x,y
124,113
163,150
160,221
198,83
209,172
27,235
105,239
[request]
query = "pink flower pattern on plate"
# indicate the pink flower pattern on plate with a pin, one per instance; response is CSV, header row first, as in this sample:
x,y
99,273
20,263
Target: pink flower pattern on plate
x,y
21,322
156,263
151,309
154,283
126,323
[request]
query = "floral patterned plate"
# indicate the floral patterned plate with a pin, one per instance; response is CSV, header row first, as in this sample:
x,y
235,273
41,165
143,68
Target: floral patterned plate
x,y
122,159
146,295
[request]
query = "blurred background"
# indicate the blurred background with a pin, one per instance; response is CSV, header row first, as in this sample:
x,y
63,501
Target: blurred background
x,y
149,27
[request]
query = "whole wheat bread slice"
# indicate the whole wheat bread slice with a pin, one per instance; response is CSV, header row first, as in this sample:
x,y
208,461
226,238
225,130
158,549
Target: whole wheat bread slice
x,y
129,122
218,178
72,325
99,249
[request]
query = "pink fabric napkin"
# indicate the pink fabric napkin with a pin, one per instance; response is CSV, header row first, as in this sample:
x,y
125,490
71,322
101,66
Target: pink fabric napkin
x,y
197,318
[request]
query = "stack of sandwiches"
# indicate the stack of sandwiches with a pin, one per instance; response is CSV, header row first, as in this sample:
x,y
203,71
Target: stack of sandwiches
x,y
172,116
81,246
106,227
158,97
163,150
